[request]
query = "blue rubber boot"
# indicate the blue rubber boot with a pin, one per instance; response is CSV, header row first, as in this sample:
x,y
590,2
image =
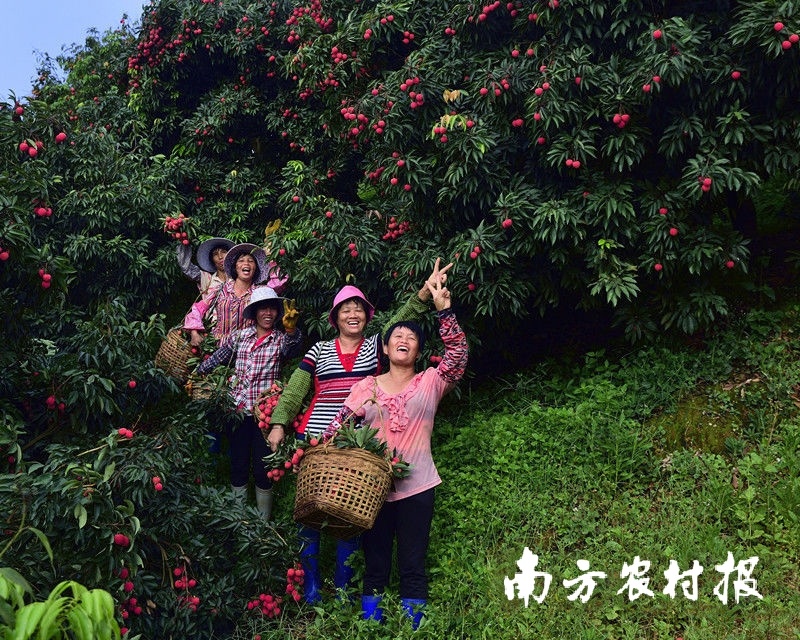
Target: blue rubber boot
x,y
414,608
309,557
344,572
370,609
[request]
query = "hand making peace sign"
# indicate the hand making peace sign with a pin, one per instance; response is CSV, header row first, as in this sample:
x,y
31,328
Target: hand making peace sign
x,y
439,274
435,284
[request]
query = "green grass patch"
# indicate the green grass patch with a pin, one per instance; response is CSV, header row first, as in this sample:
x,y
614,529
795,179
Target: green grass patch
x,y
663,453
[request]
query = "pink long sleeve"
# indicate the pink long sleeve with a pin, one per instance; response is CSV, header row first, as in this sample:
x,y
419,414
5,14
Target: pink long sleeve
x,y
194,319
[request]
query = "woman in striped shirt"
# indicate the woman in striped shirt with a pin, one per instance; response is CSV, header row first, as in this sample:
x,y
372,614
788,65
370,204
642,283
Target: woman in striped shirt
x,y
332,367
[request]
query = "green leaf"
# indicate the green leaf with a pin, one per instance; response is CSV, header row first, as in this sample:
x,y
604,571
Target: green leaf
x,y
80,515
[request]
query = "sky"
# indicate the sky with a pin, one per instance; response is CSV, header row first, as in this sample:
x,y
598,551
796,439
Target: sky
x,y
32,27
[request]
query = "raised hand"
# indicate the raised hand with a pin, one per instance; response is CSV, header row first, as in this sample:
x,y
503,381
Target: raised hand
x,y
438,275
440,294
290,316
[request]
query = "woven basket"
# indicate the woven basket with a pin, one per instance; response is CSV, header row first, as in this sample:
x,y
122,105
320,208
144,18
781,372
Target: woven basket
x,y
341,491
200,388
173,354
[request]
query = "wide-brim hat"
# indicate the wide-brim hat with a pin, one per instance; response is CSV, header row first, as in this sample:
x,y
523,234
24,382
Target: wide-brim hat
x,y
205,250
247,248
258,297
349,292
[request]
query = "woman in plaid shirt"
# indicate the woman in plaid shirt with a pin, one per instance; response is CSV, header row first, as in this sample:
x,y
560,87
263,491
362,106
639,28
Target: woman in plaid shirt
x,y
257,352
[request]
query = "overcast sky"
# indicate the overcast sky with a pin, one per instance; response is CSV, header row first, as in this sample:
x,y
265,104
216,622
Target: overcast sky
x,y
30,27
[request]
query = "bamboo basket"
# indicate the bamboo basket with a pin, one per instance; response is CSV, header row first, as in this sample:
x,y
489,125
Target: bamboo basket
x,y
340,491
200,388
173,355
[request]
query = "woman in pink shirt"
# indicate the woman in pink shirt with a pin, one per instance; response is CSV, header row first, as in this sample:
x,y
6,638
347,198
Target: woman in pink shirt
x,y
246,266
401,404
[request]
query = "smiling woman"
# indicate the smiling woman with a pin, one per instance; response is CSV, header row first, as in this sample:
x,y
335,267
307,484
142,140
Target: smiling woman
x,y
257,352
402,404
331,368
245,265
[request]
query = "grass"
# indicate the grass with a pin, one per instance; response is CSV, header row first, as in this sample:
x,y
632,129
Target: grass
x,y
662,453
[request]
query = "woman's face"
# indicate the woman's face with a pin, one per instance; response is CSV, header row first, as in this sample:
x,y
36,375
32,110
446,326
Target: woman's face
x,y
351,319
218,258
267,316
246,267
403,346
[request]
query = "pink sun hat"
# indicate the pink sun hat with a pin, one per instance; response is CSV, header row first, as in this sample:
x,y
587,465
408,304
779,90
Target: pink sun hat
x,y
349,292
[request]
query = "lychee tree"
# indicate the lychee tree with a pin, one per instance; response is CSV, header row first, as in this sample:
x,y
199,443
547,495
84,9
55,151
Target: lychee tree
x,y
560,153
563,154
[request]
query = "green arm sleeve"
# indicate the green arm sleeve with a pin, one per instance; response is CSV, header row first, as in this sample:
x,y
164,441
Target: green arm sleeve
x,y
413,309
292,398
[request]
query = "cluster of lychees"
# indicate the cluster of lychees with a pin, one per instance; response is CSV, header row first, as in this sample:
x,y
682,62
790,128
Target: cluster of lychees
x,y
266,404
289,463
705,183
41,211
130,605
288,458
266,604
46,279
313,11
417,97
183,583
52,404
358,120
275,474
263,411
504,84
174,227
621,120
31,147
295,576
396,229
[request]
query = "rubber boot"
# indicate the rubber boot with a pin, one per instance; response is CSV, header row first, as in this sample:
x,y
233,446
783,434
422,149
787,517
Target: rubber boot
x,y
309,557
264,502
370,609
414,609
344,572
240,493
